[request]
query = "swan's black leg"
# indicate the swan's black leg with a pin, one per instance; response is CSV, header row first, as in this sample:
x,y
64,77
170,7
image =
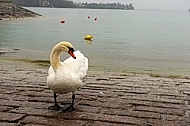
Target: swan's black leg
x,y
72,104
55,107
71,107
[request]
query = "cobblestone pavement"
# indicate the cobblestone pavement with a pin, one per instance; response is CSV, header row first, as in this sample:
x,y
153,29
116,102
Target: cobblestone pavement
x,y
108,99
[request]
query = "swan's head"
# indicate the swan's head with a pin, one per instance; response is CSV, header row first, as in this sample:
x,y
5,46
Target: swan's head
x,y
67,47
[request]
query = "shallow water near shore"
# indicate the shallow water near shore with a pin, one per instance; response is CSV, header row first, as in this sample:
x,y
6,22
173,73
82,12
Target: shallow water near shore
x,y
136,41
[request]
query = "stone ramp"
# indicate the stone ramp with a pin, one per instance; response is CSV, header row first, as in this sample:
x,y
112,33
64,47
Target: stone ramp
x,y
108,99
9,10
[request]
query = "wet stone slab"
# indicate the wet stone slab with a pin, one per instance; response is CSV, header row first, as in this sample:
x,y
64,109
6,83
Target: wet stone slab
x,y
110,99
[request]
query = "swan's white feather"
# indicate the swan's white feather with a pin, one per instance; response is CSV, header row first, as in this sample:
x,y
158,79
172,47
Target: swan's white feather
x,y
78,65
67,78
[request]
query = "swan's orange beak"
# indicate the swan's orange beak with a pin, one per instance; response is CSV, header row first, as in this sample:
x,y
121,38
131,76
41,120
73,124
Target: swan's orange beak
x,y
71,53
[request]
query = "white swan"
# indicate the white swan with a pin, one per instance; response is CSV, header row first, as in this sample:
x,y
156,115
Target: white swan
x,y
65,77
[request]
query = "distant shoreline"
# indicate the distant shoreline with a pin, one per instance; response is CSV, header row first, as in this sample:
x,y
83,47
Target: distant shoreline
x,y
71,4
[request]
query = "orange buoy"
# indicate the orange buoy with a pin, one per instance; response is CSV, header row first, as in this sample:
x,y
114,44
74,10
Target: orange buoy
x,y
95,18
62,21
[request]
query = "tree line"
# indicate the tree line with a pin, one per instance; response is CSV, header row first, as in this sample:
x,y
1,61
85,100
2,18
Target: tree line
x,y
107,6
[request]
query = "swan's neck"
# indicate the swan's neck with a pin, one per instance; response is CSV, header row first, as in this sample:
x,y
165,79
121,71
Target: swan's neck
x,y
55,58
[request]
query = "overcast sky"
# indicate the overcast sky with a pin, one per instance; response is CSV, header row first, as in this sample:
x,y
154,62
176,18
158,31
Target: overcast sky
x,y
149,4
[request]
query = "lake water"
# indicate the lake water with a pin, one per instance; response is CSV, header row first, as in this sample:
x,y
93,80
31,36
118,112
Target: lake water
x,y
140,41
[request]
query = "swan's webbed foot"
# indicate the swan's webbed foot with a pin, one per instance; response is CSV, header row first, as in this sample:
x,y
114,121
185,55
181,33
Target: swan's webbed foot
x,y
71,107
55,107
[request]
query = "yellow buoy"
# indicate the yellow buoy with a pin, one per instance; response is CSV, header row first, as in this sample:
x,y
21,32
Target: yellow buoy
x,y
88,37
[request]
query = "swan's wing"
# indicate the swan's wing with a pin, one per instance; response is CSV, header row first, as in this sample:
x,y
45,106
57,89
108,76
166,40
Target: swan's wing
x,y
51,76
77,66
51,71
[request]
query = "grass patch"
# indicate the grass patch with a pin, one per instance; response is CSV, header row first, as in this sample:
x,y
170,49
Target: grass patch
x,y
37,62
41,62
169,76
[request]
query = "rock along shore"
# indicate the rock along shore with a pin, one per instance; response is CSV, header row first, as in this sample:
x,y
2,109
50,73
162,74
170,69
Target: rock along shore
x,y
9,10
108,99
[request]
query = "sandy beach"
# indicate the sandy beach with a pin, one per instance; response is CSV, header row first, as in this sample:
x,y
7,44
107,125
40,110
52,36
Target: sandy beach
x,y
108,99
